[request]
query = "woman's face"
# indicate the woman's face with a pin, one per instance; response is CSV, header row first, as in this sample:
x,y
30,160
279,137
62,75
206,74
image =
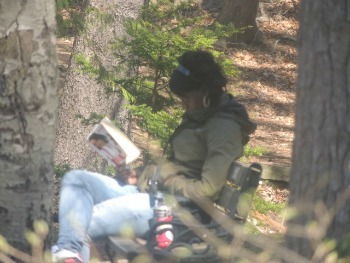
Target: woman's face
x,y
193,100
98,143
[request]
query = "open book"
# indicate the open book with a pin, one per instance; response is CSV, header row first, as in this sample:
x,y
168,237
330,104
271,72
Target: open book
x,y
112,144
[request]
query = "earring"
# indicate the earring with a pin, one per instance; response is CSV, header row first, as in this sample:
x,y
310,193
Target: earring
x,y
206,101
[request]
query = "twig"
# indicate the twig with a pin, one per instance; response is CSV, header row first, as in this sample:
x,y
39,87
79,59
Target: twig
x,y
5,259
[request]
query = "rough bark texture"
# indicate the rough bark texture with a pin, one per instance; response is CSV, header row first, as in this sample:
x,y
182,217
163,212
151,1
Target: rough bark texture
x,y
242,13
320,176
83,94
28,108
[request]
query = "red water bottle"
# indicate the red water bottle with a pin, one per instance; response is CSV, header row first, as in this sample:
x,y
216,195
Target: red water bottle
x,y
166,236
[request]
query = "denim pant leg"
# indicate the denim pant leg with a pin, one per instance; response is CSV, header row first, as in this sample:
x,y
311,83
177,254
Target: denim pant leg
x,y
127,215
80,191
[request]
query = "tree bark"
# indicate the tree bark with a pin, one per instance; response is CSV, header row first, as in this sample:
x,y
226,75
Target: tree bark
x,y
83,94
242,13
28,103
320,175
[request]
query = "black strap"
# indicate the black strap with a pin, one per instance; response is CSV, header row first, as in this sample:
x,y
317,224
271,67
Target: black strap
x,y
153,185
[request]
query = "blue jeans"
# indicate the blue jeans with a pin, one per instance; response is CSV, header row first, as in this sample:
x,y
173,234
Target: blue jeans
x,y
93,206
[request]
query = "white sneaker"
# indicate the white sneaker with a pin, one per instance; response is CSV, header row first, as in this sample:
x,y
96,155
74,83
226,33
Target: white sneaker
x,y
65,256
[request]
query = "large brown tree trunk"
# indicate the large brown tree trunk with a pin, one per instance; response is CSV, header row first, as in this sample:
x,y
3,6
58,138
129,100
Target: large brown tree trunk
x,y
320,176
28,102
242,13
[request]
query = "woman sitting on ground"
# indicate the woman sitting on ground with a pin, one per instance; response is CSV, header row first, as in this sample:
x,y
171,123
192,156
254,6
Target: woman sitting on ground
x,y
214,129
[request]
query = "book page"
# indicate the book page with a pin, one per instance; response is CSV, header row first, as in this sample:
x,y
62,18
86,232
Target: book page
x,y
112,144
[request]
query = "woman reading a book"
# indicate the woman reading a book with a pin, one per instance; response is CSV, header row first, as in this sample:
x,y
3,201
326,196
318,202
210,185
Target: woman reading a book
x,y
212,134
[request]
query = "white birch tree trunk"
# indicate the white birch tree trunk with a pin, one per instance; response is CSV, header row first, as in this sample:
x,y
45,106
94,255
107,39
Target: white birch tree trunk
x,y
28,109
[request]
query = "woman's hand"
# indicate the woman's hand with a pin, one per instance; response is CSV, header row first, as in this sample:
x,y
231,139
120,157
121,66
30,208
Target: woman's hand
x,y
128,176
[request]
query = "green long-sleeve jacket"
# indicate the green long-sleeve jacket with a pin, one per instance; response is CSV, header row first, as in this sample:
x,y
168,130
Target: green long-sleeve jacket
x,y
203,148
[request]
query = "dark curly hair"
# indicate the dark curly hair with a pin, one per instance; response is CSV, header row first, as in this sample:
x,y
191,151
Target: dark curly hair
x,y
97,136
198,70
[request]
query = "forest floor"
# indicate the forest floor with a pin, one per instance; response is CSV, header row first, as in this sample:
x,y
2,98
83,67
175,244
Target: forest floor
x,y
266,85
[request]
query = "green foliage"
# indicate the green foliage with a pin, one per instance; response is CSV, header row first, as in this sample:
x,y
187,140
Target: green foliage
x,y
61,169
69,16
251,228
264,206
100,17
163,32
154,41
256,151
94,118
87,65
343,247
159,124
150,49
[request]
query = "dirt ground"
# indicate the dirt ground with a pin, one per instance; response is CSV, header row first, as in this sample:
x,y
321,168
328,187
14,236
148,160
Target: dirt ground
x,y
267,82
266,85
